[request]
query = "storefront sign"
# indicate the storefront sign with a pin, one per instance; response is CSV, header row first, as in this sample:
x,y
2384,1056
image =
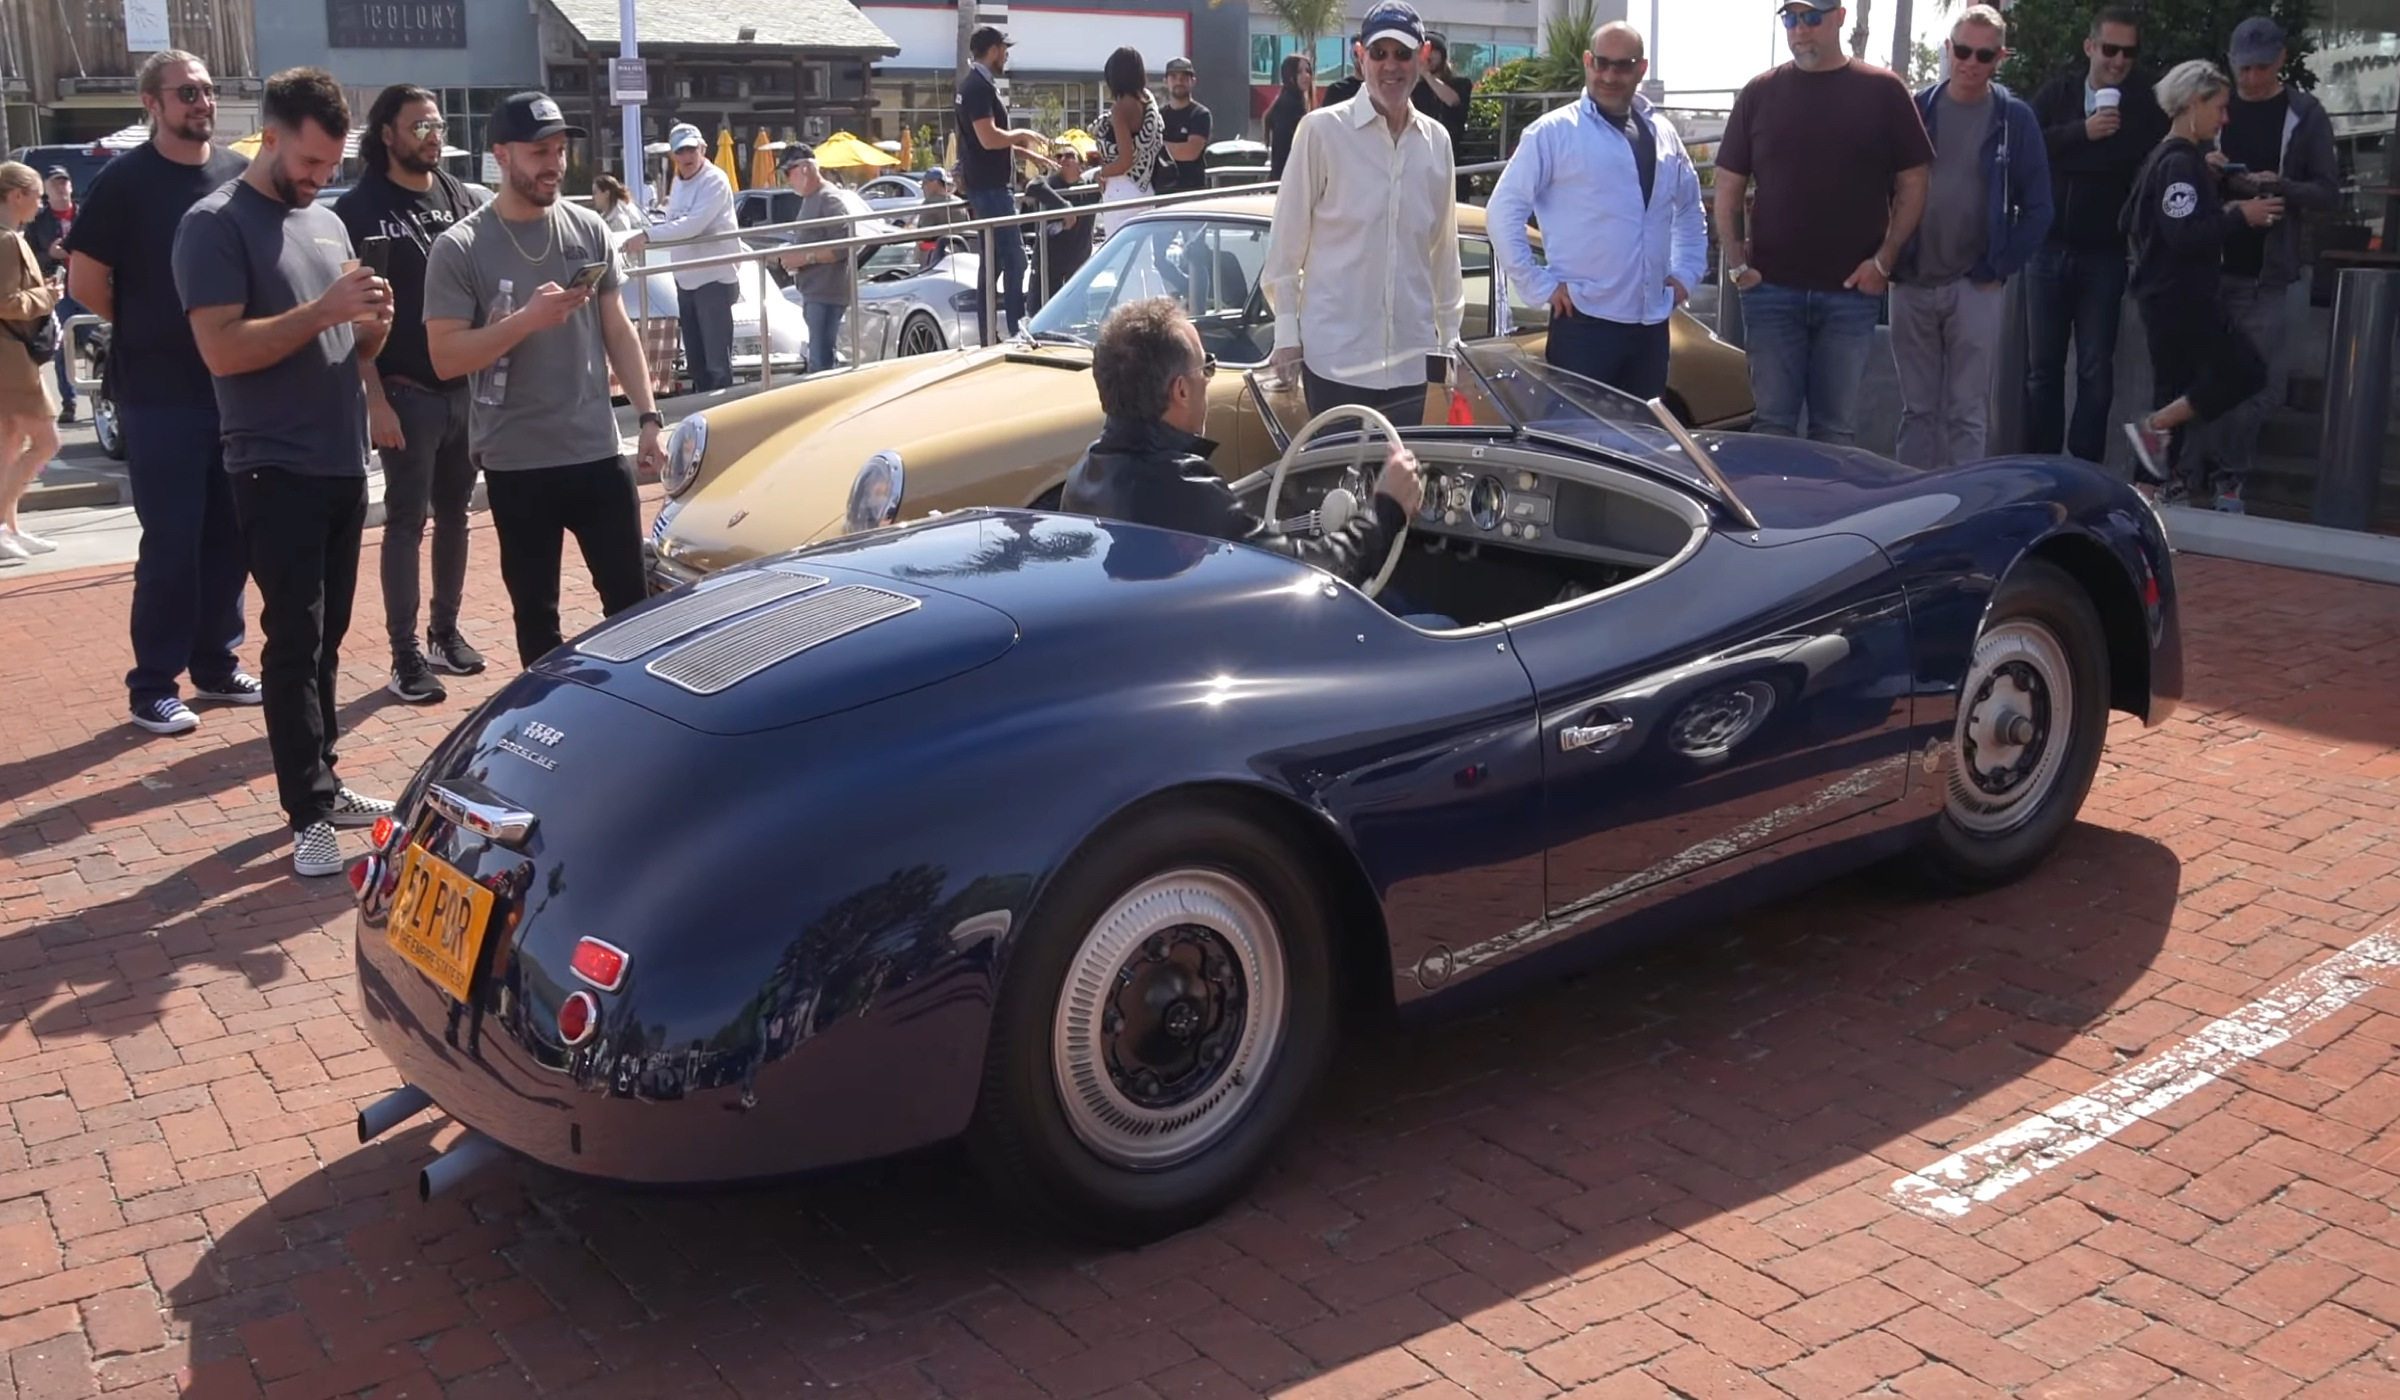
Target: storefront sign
x,y
396,24
146,26
628,82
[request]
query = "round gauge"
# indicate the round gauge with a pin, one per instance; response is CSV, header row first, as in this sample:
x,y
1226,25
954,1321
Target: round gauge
x,y
1431,507
1485,505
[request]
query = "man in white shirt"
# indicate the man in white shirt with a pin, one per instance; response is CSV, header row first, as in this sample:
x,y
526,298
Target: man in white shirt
x,y
1622,223
702,203
1362,263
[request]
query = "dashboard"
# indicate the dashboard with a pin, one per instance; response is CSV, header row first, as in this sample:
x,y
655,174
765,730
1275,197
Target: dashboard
x,y
1514,505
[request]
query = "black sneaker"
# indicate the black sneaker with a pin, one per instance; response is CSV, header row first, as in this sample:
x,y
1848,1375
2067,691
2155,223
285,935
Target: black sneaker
x,y
165,715
412,680
448,651
66,414
240,688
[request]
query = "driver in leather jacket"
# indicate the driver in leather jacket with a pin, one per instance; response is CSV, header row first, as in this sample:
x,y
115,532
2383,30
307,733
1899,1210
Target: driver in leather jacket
x,y
1150,465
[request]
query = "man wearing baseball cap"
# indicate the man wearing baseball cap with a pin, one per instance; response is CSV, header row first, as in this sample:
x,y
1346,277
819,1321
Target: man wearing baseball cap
x,y
700,204
1187,126
826,280
521,294
1362,257
987,145
2285,140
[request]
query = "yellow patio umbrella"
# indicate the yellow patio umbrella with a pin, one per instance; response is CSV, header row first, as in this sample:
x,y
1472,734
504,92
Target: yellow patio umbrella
x,y
1082,140
725,161
762,161
843,151
908,148
248,145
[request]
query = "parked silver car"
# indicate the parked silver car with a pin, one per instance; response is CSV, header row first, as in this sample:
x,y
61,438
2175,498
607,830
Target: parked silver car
x,y
912,302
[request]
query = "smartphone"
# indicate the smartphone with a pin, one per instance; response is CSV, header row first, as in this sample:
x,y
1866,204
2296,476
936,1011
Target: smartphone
x,y
2232,168
375,254
587,276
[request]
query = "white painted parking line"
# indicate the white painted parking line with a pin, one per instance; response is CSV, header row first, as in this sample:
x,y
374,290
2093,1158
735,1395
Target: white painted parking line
x,y
1957,1183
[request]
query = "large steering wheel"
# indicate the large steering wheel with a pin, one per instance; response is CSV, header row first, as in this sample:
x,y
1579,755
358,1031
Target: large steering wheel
x,y
1339,503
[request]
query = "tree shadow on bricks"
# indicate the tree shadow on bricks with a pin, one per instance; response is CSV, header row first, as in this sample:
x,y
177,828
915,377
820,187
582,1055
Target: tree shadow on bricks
x,y
1748,1090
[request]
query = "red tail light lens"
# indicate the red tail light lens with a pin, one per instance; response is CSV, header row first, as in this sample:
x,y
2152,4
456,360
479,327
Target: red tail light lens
x,y
382,834
578,1017
362,874
601,964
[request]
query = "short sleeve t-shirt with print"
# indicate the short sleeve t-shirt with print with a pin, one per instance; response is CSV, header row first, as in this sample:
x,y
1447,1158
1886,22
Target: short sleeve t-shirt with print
x,y
128,223
1182,124
979,169
555,410
1822,152
412,219
307,412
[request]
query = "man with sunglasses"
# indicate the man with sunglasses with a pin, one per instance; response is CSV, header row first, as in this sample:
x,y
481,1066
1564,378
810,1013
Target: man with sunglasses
x,y
187,583
1987,209
2099,124
417,418
1838,156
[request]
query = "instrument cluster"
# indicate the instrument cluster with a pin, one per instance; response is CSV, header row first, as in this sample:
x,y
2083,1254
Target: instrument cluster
x,y
1514,505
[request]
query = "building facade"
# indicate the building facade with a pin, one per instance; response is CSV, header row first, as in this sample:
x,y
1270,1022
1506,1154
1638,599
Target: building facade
x,y
470,55
67,67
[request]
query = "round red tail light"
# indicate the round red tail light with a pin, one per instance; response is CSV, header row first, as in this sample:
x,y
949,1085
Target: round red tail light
x,y
382,834
601,964
578,1017
363,874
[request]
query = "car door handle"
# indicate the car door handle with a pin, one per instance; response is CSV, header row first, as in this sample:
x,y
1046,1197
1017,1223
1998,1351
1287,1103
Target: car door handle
x,y
1592,736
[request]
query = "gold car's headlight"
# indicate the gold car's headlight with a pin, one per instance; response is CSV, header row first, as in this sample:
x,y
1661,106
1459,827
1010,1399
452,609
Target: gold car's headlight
x,y
685,447
875,493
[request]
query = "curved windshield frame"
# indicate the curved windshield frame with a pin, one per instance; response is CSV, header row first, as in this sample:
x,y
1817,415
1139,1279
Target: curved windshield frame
x,y
1210,264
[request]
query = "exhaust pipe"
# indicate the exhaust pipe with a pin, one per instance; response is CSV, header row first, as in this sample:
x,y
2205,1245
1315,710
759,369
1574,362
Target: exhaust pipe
x,y
471,1154
385,1114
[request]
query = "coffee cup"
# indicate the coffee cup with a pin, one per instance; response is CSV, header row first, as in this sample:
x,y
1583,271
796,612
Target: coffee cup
x,y
2105,99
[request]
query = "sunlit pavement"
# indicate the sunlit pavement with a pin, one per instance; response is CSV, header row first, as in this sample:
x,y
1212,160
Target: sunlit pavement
x,y
1673,1176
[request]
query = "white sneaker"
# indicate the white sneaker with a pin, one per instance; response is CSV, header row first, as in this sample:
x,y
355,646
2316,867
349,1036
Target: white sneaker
x,y
11,548
30,541
356,809
316,850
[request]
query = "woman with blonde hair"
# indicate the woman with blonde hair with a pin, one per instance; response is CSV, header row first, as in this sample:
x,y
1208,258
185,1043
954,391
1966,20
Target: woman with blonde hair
x,y
28,416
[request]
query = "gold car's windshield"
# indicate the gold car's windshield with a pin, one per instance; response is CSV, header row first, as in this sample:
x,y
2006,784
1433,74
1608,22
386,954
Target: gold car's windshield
x,y
1210,266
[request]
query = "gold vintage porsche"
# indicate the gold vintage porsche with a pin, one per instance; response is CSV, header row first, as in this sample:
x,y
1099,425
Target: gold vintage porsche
x,y
1004,424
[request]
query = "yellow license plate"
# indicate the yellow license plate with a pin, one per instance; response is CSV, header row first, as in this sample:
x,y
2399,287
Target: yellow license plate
x,y
438,920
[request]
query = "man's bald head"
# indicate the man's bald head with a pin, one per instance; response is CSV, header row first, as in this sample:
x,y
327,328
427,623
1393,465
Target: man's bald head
x,y
1617,39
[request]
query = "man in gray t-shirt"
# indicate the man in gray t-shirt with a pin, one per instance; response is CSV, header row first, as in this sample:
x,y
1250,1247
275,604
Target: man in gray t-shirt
x,y
282,312
827,276
541,425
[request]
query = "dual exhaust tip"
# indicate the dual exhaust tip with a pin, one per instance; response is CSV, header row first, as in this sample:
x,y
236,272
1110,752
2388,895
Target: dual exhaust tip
x,y
467,1156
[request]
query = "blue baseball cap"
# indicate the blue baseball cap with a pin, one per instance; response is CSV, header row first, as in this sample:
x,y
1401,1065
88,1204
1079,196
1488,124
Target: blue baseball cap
x,y
2257,41
685,134
1394,19
936,173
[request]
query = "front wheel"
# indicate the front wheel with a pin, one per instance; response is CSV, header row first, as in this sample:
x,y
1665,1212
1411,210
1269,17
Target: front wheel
x,y
1166,1013
2032,715
106,428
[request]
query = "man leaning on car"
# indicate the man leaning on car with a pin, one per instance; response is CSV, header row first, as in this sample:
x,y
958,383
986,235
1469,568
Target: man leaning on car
x,y
1150,465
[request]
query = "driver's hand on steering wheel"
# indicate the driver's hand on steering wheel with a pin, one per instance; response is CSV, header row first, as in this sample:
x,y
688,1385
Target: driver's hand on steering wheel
x,y
1400,481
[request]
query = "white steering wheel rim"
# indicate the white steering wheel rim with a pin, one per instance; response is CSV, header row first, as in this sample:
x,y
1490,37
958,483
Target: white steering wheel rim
x,y
1307,434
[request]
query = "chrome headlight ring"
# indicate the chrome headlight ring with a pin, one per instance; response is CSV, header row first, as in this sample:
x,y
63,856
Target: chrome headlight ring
x,y
685,447
876,493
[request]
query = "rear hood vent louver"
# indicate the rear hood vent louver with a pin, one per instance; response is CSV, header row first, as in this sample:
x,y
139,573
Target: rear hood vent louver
x,y
733,654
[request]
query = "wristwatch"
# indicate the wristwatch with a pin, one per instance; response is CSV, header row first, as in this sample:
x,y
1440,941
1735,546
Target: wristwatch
x,y
652,420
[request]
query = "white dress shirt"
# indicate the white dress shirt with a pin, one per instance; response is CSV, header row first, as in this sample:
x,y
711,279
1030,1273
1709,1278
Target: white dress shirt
x,y
1576,171
702,204
1362,257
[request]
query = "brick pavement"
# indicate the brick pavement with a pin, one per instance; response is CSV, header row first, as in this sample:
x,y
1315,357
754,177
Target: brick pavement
x,y
1662,1179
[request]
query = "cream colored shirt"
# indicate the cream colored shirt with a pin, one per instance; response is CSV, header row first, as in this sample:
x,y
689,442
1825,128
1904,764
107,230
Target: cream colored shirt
x,y
1362,259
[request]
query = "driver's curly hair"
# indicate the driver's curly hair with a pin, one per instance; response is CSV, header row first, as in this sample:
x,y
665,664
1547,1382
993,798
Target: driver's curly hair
x,y
1140,355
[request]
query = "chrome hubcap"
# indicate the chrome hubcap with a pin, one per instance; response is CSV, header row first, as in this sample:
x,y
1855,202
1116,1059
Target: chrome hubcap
x,y
2013,721
1171,1016
1714,723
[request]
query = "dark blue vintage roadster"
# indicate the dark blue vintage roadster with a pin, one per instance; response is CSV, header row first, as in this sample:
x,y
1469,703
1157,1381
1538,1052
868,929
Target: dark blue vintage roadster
x,y
1083,840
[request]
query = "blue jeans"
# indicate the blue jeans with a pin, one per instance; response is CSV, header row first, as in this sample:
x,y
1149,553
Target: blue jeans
x,y
707,315
1623,356
67,306
187,579
1008,251
824,321
1808,350
2079,295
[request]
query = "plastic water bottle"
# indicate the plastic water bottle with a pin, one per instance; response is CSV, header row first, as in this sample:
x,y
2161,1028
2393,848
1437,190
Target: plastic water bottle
x,y
491,382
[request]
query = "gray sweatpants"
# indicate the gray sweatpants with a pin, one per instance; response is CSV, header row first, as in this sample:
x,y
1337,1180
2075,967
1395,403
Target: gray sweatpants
x,y
1946,345
2230,445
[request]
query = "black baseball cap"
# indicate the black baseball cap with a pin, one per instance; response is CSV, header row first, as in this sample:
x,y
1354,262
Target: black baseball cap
x,y
1179,65
58,172
797,152
530,116
985,38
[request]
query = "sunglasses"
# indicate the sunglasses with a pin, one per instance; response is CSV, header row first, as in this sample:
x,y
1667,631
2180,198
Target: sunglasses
x,y
1963,52
2120,50
190,94
1793,19
1208,367
1387,52
428,126
1626,66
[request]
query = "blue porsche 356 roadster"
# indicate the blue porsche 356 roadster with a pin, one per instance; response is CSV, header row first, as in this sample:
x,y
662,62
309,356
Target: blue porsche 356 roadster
x,y
1083,840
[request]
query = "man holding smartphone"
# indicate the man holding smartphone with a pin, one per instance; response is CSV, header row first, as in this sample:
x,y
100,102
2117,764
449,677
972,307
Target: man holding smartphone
x,y
503,305
418,420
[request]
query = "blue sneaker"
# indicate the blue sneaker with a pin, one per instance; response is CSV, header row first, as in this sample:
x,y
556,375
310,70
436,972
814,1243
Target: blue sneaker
x,y
165,715
239,688
2229,498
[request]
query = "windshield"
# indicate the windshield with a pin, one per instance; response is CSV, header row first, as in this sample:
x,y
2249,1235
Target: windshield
x,y
1210,266
1523,391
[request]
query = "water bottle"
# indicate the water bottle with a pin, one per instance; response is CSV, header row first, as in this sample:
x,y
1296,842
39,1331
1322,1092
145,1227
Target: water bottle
x,y
491,382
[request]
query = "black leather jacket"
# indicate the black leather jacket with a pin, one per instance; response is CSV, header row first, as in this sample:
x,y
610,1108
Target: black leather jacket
x,y
1153,474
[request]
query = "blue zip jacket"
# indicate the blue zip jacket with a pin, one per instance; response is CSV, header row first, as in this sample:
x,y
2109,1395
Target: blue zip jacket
x,y
2016,169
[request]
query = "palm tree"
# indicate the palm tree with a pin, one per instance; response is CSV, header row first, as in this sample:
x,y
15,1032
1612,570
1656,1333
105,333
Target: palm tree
x,y
1307,20
1858,31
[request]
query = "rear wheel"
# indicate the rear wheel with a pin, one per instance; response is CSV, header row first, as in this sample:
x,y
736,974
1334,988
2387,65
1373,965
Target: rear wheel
x,y
920,336
106,427
2032,716
1166,1013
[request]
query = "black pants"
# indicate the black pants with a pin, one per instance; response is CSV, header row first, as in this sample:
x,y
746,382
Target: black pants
x,y
1623,356
533,509
2198,353
303,534
430,473
1405,406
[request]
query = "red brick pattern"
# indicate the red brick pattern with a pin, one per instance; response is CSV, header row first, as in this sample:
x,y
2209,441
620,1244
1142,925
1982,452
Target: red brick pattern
x,y
1661,1179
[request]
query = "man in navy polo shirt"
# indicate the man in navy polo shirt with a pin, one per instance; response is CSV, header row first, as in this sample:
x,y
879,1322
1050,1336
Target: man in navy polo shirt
x,y
987,147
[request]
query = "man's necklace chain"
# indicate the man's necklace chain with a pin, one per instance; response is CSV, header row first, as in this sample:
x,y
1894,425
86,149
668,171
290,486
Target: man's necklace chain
x,y
533,259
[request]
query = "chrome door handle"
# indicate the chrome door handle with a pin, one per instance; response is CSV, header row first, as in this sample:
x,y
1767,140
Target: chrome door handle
x,y
1589,736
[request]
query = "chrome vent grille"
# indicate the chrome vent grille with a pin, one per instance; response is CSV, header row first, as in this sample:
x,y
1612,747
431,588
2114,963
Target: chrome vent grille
x,y
731,655
705,606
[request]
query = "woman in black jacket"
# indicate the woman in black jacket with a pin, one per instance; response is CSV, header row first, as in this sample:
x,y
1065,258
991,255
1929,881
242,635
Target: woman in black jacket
x,y
1291,104
2201,363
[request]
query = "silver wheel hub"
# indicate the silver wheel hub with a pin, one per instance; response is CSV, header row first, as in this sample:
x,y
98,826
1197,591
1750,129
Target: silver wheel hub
x,y
2015,715
1171,1015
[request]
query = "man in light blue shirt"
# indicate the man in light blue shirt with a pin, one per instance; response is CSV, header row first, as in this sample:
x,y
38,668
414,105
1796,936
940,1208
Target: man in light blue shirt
x,y
1622,225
